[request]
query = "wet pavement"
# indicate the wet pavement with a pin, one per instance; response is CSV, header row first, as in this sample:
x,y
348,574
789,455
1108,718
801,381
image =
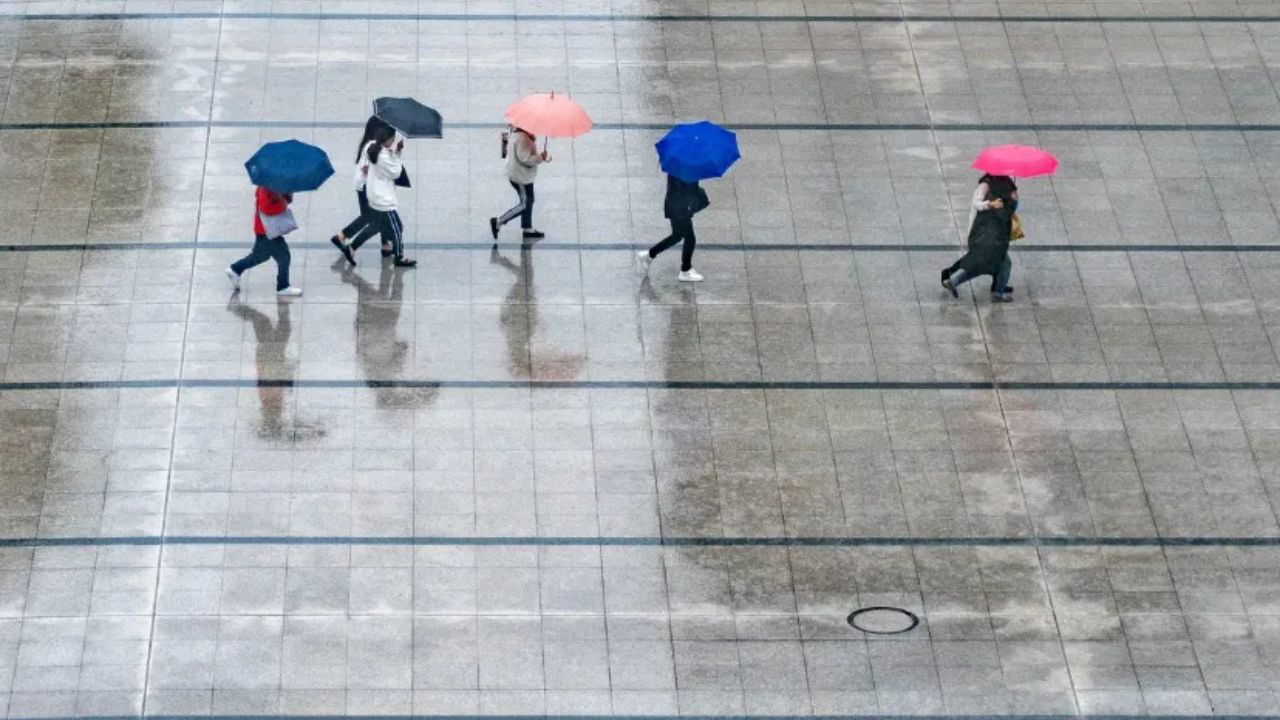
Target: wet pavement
x,y
523,480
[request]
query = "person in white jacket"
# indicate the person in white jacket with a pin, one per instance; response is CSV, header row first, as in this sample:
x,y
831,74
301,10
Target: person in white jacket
x,y
359,230
385,163
523,160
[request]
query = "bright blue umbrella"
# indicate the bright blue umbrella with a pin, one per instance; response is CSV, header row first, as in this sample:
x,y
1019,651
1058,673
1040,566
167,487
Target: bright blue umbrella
x,y
289,166
697,151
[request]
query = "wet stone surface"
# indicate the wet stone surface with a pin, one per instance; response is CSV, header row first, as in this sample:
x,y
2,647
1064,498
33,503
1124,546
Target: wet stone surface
x,y
530,480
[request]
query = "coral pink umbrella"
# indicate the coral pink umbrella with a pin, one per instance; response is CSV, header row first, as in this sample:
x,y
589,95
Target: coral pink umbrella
x,y
549,115
1021,161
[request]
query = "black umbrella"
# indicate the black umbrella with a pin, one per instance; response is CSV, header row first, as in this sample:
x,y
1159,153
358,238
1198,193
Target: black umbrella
x,y
410,117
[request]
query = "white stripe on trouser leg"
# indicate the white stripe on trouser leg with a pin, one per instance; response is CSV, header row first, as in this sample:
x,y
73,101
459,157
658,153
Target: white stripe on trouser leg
x,y
397,244
519,208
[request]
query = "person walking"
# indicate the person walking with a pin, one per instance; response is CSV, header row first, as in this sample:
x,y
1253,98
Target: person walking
x,y
989,238
383,154
523,159
362,228
684,200
270,209
1004,187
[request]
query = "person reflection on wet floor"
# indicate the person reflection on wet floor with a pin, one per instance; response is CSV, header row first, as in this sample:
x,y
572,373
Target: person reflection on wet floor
x,y
381,352
272,363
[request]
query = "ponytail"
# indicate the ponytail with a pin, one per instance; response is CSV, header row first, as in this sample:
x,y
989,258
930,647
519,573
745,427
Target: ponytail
x,y
370,129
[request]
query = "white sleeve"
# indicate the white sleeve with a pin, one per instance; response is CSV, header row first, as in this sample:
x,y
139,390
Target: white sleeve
x,y
978,202
389,164
980,197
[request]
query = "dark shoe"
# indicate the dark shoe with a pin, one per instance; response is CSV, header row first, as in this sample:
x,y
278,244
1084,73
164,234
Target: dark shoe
x,y
344,249
946,274
1007,289
1001,298
535,234
950,288
405,262
388,253
493,227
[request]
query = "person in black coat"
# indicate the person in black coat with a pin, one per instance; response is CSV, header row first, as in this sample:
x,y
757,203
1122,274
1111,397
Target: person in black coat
x,y
989,239
684,200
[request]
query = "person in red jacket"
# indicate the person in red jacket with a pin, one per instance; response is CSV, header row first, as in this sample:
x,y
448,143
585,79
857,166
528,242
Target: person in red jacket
x,y
271,203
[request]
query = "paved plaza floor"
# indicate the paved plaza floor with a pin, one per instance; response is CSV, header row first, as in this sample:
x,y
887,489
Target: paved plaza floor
x,y
524,479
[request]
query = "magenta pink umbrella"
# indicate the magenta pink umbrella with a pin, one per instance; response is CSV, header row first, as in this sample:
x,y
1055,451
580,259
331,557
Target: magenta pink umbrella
x,y
1021,161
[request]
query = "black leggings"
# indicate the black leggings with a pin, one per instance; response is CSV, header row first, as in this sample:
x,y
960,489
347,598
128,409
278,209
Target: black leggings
x,y
681,229
363,227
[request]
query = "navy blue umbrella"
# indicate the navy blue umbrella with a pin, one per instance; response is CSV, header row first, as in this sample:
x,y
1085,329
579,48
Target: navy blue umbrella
x,y
697,151
289,166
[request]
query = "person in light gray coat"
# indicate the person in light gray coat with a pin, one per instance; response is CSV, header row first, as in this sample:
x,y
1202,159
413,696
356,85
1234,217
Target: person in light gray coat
x,y
523,159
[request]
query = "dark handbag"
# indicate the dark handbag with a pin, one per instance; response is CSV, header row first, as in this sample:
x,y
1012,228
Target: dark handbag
x,y
403,180
698,201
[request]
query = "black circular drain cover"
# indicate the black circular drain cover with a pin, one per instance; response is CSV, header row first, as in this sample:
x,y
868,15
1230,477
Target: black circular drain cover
x,y
883,620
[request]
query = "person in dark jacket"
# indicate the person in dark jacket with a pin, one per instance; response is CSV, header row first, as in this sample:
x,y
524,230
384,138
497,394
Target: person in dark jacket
x,y
684,200
989,238
990,187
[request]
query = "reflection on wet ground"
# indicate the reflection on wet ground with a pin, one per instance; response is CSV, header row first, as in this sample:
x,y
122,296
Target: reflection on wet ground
x,y
523,479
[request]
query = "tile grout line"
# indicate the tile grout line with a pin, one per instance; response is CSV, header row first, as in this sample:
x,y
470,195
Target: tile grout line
x,y
637,17
665,125
1031,541
555,246
708,385
561,716
173,435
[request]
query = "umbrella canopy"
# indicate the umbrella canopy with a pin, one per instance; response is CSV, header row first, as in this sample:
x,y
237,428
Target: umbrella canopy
x,y
697,151
550,115
1021,161
410,117
289,166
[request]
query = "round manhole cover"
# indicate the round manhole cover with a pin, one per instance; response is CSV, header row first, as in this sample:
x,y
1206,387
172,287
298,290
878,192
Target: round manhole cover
x,y
883,620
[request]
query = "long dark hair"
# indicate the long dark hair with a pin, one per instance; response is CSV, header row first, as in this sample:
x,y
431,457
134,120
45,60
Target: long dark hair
x,y
380,136
370,128
1001,186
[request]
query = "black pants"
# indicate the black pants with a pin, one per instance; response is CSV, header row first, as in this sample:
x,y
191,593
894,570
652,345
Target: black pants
x,y
524,208
264,249
681,229
387,224
363,227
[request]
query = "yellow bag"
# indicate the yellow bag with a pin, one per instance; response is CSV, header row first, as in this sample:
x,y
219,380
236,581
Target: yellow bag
x,y
1017,232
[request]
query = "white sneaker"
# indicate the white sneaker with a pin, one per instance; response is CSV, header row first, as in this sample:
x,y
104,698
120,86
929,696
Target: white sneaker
x,y
289,292
234,278
642,262
689,275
